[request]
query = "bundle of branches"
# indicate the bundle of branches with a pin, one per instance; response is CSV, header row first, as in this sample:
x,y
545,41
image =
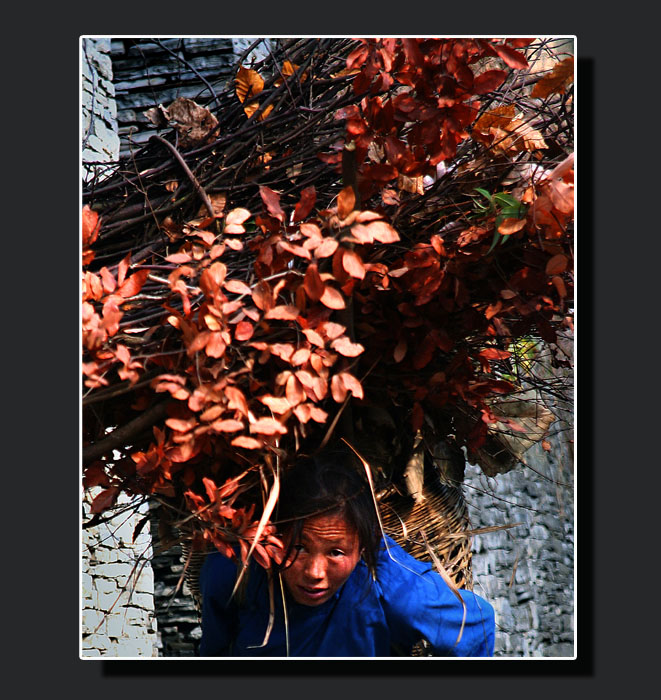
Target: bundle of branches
x,y
363,240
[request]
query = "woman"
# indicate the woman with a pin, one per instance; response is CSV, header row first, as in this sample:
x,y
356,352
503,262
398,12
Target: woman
x,y
348,591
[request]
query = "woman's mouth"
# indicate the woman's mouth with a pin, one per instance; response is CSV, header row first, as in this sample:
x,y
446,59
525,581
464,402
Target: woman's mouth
x,y
313,593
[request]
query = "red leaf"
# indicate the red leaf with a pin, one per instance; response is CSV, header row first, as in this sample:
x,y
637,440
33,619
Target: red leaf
x,y
268,426
228,425
133,284
332,298
104,500
352,384
109,282
181,425
314,337
216,345
514,59
243,330
383,232
271,200
353,264
494,354
179,258
122,269
237,216
210,487
331,329
284,312
417,417
557,264
247,443
338,390
237,287
212,413
90,225
236,399
488,81
399,352
312,283
326,248
278,404
262,295
294,391
345,347
305,204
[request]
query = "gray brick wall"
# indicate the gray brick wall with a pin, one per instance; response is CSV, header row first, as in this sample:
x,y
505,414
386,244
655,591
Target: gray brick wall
x,y
117,580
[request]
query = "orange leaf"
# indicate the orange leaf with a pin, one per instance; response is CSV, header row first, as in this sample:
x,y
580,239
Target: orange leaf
x,y
556,81
511,225
248,83
346,201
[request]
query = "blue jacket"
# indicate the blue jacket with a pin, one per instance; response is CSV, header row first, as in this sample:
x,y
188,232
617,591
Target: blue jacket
x,y
408,601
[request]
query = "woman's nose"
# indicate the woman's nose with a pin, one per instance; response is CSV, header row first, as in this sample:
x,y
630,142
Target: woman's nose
x,y
316,568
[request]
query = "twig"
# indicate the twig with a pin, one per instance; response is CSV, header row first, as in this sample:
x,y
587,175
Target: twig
x,y
120,436
198,188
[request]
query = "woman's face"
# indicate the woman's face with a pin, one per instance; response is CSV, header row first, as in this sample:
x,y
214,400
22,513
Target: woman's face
x,y
322,559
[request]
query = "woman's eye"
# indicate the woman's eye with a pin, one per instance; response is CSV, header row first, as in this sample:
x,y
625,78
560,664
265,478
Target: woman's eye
x,y
337,553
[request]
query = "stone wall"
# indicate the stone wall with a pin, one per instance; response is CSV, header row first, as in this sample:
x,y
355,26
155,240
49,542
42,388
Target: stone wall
x,y
149,72
99,138
527,572
117,582
117,588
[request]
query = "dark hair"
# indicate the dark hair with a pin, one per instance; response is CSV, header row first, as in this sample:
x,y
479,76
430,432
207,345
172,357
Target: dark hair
x,y
332,482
